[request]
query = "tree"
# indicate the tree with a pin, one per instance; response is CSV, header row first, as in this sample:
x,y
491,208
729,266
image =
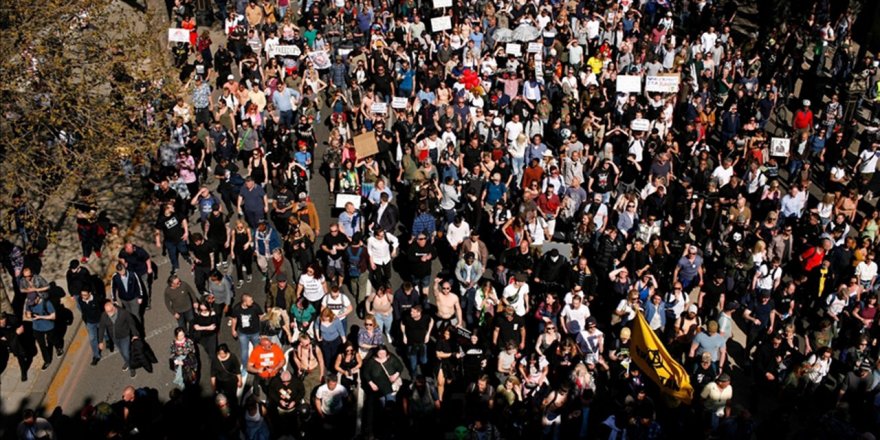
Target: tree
x,y
81,88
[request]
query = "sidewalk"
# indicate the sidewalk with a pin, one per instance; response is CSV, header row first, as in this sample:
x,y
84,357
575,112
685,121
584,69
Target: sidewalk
x,y
121,201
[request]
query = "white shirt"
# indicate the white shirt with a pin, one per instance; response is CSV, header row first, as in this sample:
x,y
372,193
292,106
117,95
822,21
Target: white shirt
x,y
722,175
869,161
516,296
457,234
513,130
380,249
866,271
332,401
578,315
313,289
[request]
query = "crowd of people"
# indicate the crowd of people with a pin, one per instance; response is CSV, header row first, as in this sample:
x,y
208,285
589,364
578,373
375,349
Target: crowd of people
x,y
513,185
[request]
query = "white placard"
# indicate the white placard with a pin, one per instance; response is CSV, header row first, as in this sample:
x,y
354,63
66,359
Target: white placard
x,y
780,147
640,124
535,47
438,4
344,199
284,50
344,52
379,107
662,84
629,84
514,49
439,24
178,35
320,59
398,102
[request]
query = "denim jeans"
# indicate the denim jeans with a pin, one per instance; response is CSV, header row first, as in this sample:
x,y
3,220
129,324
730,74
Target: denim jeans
x,y
174,249
243,340
185,319
384,322
94,339
124,347
417,354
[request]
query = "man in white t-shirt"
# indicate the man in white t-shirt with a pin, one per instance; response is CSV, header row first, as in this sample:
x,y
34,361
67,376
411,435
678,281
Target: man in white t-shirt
x,y
723,172
330,397
867,272
867,163
574,315
516,294
513,128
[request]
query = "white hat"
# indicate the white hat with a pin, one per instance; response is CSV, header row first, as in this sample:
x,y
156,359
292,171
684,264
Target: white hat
x,y
692,308
548,153
230,77
497,121
806,103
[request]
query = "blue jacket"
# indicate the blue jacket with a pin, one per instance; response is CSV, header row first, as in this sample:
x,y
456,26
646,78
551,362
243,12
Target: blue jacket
x,y
659,309
127,292
269,238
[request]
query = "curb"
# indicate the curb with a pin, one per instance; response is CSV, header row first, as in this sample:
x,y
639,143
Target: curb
x,y
54,395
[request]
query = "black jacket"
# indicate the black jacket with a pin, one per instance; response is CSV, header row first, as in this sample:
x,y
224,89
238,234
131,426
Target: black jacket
x,y
123,328
142,355
131,290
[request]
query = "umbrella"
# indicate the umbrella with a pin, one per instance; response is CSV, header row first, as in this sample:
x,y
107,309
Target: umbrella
x,y
503,35
526,32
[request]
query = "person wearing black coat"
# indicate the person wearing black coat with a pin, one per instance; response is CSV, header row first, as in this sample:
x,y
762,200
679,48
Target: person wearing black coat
x,y
121,327
142,356
11,330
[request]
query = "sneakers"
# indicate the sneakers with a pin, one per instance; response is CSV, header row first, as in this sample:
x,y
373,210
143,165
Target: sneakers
x,y
239,284
84,260
125,367
133,374
250,278
95,361
98,254
59,351
45,366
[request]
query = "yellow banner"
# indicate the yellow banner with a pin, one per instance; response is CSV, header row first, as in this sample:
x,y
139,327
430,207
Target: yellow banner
x,y
651,357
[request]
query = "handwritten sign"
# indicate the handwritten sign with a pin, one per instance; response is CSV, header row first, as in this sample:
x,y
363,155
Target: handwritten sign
x,y
440,24
439,4
629,84
284,50
344,199
780,147
379,107
514,49
662,83
177,35
398,102
535,47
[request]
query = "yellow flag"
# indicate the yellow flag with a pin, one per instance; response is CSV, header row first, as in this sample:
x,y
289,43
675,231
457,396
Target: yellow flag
x,y
651,357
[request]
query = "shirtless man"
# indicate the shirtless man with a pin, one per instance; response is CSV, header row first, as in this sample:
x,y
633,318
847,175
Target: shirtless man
x,y
308,358
448,304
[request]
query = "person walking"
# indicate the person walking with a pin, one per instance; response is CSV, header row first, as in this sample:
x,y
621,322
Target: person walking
x,y
181,299
120,327
42,313
91,308
136,259
128,291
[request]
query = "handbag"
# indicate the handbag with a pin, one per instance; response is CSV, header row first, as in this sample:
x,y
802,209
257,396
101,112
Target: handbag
x,y
395,384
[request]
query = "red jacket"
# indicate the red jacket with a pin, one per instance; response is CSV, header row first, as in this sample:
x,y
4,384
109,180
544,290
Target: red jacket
x,y
802,119
812,258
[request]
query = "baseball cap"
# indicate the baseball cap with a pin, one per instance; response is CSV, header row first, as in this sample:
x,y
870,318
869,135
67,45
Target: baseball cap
x,y
281,277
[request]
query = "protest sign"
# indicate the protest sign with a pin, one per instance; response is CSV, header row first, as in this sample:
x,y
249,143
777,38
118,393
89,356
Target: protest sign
x,y
662,83
398,102
177,35
365,144
629,84
780,147
440,24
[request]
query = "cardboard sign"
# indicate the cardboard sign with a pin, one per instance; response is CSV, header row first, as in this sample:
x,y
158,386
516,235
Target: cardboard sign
x,y
398,102
640,125
439,4
177,35
365,145
780,147
629,84
535,47
662,84
565,249
379,107
440,24
284,50
514,49
344,199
